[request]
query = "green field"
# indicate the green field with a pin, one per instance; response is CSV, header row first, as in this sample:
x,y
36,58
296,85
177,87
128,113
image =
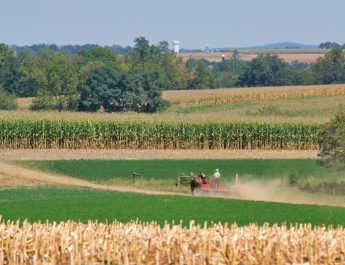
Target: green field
x,y
57,204
258,169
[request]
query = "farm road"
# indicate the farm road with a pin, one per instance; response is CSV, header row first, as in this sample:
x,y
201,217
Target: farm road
x,y
114,154
8,169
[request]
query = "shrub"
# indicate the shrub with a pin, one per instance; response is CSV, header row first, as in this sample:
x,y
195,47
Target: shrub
x,y
7,101
333,141
50,103
293,178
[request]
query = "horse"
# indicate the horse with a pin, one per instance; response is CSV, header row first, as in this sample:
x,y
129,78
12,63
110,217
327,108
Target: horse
x,y
194,182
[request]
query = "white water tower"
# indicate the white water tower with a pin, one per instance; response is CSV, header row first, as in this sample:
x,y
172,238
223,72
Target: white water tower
x,y
176,45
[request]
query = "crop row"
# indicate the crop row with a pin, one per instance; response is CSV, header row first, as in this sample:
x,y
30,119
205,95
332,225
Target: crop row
x,y
20,134
135,243
224,96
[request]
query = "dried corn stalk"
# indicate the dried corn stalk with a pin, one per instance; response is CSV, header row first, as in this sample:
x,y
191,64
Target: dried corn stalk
x,y
225,95
136,243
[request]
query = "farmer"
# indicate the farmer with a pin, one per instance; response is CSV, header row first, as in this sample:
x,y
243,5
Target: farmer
x,y
216,178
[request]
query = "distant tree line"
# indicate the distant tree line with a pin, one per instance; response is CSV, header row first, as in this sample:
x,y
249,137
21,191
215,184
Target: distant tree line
x,y
69,49
331,45
270,70
97,79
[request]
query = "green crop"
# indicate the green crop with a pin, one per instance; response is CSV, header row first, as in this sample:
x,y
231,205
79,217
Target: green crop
x,y
60,204
163,135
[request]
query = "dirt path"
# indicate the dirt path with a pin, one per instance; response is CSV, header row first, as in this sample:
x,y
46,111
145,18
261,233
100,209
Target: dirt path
x,y
258,191
8,169
8,181
63,154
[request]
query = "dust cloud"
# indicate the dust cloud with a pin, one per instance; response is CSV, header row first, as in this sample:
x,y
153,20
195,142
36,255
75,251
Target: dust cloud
x,y
273,191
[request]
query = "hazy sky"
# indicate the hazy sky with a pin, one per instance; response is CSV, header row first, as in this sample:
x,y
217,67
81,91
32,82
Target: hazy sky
x,y
221,23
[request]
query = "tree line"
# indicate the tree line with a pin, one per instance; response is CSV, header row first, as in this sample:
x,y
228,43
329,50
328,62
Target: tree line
x,y
96,79
270,70
331,45
69,49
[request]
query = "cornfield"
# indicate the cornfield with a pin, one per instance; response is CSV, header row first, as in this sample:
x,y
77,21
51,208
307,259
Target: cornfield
x,y
223,96
54,134
136,243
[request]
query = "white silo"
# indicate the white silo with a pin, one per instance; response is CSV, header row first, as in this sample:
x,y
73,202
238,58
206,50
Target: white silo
x,y
176,45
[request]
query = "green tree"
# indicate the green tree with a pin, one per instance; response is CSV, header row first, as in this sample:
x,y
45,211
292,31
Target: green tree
x,y
333,141
226,79
265,70
7,101
227,72
9,71
331,68
176,72
57,81
232,65
303,77
100,91
151,79
100,56
139,94
152,74
142,47
202,74
31,73
329,45
164,46
112,91
173,70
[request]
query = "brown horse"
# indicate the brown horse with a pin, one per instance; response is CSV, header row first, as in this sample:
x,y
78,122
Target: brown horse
x,y
194,182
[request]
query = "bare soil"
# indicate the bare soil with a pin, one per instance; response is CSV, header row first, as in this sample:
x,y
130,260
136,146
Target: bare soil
x,y
70,154
8,181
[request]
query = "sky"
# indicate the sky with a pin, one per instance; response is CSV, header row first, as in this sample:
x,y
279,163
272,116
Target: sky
x,y
220,23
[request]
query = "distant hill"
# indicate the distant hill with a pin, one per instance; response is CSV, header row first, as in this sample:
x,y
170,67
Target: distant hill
x,y
285,45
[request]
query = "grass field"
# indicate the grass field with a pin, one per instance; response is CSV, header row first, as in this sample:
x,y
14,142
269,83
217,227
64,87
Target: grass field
x,y
251,169
57,204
